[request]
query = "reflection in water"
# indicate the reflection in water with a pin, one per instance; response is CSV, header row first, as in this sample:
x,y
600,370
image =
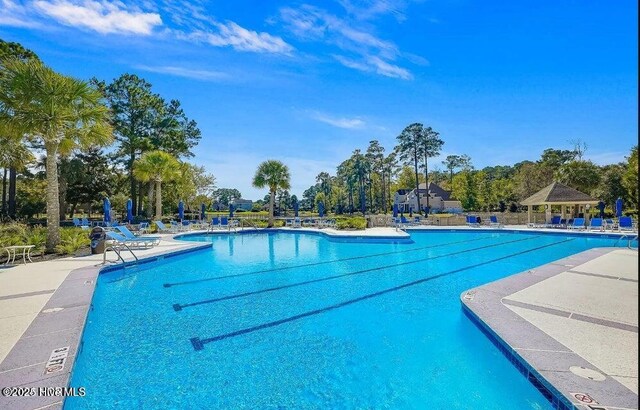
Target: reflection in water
x,y
272,255
296,241
231,240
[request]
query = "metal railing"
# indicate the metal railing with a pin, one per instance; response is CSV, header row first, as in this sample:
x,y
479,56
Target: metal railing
x,y
117,248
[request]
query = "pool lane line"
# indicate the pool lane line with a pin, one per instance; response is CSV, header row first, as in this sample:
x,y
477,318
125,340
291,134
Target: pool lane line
x,y
178,307
190,282
198,344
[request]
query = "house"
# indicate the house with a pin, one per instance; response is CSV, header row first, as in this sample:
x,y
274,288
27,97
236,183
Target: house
x,y
439,199
242,204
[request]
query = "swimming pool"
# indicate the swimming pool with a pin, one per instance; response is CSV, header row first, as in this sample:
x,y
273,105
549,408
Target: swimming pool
x,y
294,320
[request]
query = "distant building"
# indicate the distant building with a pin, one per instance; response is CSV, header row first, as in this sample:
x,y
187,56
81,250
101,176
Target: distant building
x,y
243,204
439,199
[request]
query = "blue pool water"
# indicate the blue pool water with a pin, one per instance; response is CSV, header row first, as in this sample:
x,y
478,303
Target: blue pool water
x,y
298,321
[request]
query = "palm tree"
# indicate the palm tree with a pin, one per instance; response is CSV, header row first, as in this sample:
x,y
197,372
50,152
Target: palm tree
x,y
13,156
157,167
57,112
275,175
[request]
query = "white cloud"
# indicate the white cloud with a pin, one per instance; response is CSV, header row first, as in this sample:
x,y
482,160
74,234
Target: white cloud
x,y
202,75
241,39
367,52
15,15
340,122
100,16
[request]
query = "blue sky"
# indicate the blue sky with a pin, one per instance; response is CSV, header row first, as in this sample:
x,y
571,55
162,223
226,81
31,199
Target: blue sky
x,y
308,82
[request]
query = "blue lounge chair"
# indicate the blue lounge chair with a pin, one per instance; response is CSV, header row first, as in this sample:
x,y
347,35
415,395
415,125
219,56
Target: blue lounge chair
x,y
297,223
144,227
555,222
130,235
131,243
472,220
226,223
493,222
76,222
163,228
84,222
578,223
215,223
596,225
625,223
609,224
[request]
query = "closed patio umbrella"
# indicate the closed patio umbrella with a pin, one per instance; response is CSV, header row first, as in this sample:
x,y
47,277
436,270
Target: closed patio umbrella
x,y
129,210
106,207
395,210
181,210
619,204
203,210
231,208
601,208
321,209
296,208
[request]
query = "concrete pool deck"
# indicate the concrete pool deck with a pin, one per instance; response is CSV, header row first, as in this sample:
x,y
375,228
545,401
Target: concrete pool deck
x,y
570,326
43,306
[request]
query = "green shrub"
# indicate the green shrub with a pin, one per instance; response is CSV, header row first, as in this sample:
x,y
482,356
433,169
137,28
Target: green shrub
x,y
353,222
72,240
36,236
260,223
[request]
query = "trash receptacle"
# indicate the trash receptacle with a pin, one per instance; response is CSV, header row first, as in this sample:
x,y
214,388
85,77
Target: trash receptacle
x,y
98,237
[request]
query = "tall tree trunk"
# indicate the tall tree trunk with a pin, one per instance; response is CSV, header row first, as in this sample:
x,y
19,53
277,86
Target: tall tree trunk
x,y
73,210
415,166
13,179
4,194
384,190
272,198
62,194
426,177
158,200
53,210
132,182
140,198
150,194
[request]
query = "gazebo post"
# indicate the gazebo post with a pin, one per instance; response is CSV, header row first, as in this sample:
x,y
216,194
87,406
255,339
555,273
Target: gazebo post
x,y
529,210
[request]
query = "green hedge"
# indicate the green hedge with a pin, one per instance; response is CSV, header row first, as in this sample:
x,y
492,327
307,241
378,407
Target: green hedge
x,y
351,222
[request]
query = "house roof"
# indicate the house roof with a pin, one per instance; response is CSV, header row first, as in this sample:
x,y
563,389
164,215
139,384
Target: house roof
x,y
558,193
433,188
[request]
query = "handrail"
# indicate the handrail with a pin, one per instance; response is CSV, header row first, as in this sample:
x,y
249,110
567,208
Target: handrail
x,y
116,247
629,237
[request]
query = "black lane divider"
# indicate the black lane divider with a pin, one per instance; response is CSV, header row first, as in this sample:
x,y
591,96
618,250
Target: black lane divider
x,y
178,307
190,282
198,344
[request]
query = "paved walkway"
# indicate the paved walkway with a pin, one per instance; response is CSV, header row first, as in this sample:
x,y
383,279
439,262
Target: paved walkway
x,y
574,322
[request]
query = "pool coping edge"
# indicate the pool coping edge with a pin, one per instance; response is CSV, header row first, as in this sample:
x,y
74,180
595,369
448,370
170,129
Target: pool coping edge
x,y
483,305
24,364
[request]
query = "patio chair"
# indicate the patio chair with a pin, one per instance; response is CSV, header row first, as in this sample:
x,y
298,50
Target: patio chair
x,y
493,222
625,223
130,235
143,227
225,222
297,223
215,223
163,228
555,222
595,225
76,222
578,223
84,222
472,221
138,243
610,224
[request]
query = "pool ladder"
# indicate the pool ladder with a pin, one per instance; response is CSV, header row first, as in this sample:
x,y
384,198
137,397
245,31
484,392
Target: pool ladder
x,y
630,239
117,248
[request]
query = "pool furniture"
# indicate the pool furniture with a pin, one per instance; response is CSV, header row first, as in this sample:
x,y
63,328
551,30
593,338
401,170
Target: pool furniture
x,y
12,251
143,227
472,221
578,223
139,242
84,222
215,223
296,223
556,222
130,235
226,223
610,224
163,228
595,224
494,223
625,223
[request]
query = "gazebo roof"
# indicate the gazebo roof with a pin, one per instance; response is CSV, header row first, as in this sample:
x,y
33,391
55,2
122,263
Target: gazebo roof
x,y
558,193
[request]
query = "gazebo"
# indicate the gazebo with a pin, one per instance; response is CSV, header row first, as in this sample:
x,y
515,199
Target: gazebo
x,y
562,196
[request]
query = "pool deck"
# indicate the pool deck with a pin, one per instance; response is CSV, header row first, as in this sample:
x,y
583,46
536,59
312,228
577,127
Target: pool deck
x,y
570,326
43,306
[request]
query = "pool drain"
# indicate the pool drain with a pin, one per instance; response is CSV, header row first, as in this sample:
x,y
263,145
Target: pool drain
x,y
587,373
